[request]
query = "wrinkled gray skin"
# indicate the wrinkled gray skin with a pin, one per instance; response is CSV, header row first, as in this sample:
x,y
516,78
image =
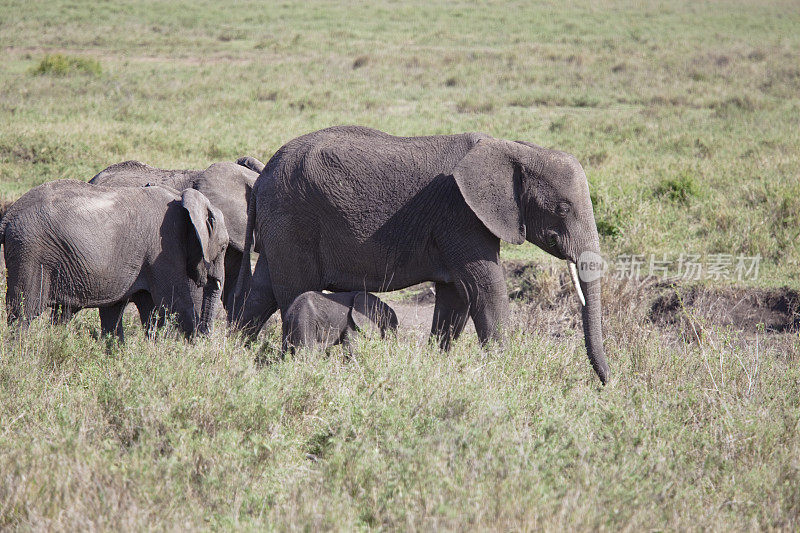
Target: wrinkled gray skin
x,y
70,245
227,185
318,321
352,208
4,207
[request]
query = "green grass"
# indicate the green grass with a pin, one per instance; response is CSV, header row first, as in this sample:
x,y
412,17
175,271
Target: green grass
x,y
167,434
686,118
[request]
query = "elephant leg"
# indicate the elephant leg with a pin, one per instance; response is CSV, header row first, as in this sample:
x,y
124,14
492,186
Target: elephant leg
x,y
13,306
286,346
20,310
25,300
489,307
475,269
348,343
450,313
152,318
111,320
177,298
60,315
260,303
233,262
158,319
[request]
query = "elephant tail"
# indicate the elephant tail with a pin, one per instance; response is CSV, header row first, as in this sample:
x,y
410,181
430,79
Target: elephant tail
x,y
251,162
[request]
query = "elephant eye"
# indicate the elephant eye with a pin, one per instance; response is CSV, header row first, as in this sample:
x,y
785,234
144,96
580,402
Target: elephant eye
x,y
563,209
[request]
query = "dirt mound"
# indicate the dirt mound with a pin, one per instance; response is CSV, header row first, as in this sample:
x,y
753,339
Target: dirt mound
x,y
423,294
747,309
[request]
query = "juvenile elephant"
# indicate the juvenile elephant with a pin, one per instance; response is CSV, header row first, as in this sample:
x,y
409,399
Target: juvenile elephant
x,y
352,208
70,245
227,185
318,320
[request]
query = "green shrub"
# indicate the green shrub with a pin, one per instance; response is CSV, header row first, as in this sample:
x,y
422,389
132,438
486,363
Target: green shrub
x,y
608,229
678,189
62,65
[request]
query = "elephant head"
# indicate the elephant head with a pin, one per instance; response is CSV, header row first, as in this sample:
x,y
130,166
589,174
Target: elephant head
x,y
521,191
207,239
368,310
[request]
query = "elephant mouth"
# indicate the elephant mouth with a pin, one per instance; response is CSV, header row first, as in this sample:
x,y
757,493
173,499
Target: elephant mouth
x,y
550,246
554,246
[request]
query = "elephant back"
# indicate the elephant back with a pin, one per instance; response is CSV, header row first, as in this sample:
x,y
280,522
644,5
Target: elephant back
x,y
138,174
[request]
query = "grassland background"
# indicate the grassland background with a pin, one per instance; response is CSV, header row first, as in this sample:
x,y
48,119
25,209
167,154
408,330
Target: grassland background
x,y
687,120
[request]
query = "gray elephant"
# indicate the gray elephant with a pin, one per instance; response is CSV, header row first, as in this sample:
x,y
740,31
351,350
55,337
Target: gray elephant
x,y
70,245
318,320
227,185
352,208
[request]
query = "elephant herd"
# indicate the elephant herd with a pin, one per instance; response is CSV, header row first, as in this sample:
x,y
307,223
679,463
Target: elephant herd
x,y
347,209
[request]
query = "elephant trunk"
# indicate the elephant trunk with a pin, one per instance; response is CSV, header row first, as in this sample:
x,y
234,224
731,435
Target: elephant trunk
x,y
592,328
211,299
586,268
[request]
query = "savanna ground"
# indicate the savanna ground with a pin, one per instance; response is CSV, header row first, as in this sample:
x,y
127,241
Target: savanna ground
x,y
687,120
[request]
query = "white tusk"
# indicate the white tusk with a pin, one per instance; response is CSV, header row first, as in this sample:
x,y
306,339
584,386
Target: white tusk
x,y
573,273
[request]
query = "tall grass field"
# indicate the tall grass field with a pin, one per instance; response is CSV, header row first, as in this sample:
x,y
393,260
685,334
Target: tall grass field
x,y
686,118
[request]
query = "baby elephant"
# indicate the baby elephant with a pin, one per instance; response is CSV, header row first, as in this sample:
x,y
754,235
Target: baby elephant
x,y
319,321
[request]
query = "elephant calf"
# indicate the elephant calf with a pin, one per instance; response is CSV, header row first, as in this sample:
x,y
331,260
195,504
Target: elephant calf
x,y
70,245
318,320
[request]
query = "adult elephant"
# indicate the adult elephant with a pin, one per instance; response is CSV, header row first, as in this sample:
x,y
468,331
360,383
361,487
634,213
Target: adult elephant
x,y
352,208
227,185
70,245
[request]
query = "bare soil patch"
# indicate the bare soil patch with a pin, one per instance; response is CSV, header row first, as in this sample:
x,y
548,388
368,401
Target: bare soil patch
x,y
115,55
746,309
542,299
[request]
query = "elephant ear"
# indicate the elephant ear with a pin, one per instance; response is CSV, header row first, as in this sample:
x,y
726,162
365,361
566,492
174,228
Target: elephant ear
x,y
251,162
487,177
363,309
202,234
